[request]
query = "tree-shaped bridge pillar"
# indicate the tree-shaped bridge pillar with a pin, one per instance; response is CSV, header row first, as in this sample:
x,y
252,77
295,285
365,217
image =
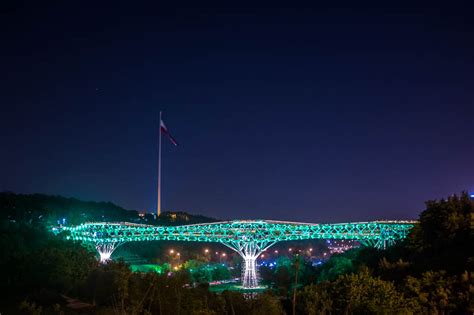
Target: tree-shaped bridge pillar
x,y
249,251
105,250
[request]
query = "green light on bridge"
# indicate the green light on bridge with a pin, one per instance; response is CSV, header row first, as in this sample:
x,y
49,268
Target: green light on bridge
x,y
248,238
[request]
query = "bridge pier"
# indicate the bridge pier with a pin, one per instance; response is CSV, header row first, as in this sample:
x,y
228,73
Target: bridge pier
x,y
249,251
249,273
249,269
105,250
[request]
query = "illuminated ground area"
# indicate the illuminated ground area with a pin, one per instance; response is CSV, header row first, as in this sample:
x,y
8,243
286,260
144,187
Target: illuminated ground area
x,y
148,268
219,288
214,286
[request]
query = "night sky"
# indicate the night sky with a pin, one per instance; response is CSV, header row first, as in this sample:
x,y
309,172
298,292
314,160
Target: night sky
x,y
305,114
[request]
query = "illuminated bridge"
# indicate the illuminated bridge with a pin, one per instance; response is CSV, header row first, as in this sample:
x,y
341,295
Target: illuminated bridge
x,y
249,238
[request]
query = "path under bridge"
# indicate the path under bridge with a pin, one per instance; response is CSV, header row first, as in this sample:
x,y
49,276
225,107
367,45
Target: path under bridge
x,y
249,238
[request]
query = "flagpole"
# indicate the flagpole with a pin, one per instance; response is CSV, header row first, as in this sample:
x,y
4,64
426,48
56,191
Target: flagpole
x,y
158,208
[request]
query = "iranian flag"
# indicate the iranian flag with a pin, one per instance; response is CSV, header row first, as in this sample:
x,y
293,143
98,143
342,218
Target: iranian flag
x,y
164,130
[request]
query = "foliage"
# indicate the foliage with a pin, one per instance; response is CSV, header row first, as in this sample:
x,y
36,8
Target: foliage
x,y
315,299
282,277
429,273
50,210
47,262
362,293
337,265
201,272
438,293
358,293
444,236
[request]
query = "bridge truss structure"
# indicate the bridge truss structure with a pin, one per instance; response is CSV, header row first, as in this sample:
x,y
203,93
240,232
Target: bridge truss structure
x,y
249,238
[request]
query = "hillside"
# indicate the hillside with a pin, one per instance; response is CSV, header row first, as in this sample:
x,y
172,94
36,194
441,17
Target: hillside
x,y
51,210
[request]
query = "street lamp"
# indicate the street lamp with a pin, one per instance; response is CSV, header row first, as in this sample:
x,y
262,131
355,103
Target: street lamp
x,y
220,257
171,251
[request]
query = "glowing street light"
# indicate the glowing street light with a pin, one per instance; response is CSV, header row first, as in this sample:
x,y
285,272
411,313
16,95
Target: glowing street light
x,y
178,254
276,251
206,251
223,254
171,251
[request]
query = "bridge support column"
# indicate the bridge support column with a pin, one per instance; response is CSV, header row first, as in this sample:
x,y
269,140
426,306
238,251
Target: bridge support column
x,y
249,273
249,251
105,251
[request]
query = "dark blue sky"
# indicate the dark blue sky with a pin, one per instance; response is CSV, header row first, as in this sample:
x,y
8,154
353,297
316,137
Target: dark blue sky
x,y
305,114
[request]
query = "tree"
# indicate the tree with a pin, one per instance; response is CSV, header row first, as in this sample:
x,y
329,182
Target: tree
x,y
444,236
336,266
439,293
266,304
362,293
315,299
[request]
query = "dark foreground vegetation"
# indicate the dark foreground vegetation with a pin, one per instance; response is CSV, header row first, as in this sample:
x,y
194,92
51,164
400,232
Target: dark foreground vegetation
x,y
431,272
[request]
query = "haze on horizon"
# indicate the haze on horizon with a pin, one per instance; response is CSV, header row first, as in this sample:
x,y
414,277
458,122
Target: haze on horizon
x,y
305,114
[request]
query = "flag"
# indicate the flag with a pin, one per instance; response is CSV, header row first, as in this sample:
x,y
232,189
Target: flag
x,y
166,132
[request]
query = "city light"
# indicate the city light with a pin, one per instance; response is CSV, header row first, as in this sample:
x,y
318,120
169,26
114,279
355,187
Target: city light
x,y
206,250
171,251
337,247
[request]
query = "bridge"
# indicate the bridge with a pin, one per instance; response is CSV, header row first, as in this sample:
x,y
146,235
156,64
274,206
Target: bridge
x,y
249,238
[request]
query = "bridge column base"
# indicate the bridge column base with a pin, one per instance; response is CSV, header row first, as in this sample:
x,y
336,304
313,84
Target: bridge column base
x,y
249,250
249,273
105,251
